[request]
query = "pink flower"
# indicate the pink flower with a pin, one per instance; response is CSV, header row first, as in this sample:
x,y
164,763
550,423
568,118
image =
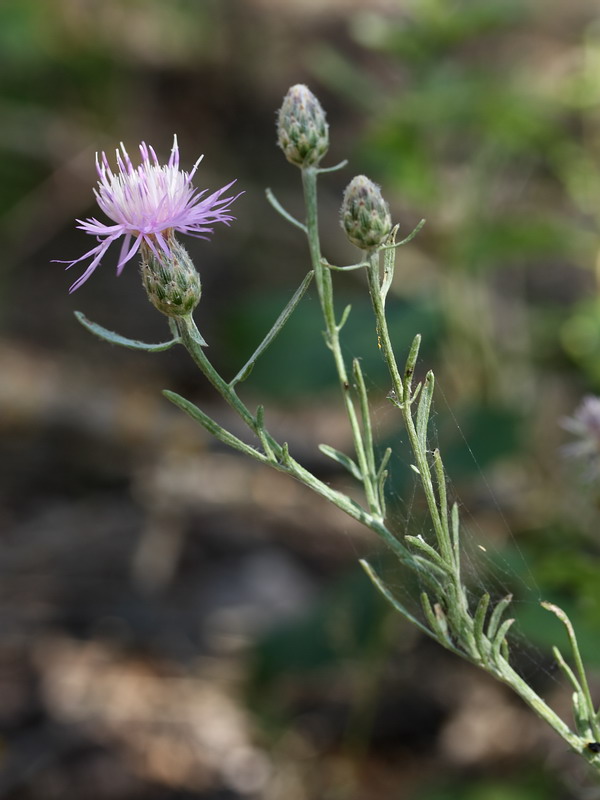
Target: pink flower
x,y
584,424
147,203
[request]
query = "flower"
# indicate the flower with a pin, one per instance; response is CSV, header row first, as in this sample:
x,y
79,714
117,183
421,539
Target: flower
x,y
147,204
585,425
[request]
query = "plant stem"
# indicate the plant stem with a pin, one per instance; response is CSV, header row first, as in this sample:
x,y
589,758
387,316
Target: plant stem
x,y
194,344
402,391
325,290
455,601
283,462
505,673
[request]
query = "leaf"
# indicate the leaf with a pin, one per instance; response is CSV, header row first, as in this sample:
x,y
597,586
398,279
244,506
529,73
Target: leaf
x,y
378,583
424,409
213,427
342,459
278,325
115,338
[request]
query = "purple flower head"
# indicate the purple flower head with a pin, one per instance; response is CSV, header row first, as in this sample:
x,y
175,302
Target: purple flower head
x,y
147,204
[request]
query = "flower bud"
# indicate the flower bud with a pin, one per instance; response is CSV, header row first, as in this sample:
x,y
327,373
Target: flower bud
x,y
171,281
365,216
302,131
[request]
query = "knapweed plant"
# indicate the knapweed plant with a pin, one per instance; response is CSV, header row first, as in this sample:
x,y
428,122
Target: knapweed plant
x,y
148,205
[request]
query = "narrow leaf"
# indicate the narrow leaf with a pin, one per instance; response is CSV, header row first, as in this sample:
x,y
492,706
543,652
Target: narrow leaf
x,y
378,583
424,409
455,522
500,638
281,210
115,338
442,496
286,459
365,417
344,318
262,434
580,669
499,609
341,165
389,263
409,238
567,670
384,461
342,459
381,479
347,268
279,323
478,624
213,427
411,361
421,544
416,393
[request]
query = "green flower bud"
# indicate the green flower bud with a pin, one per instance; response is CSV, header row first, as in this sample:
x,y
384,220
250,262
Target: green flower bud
x,y
171,282
365,216
302,131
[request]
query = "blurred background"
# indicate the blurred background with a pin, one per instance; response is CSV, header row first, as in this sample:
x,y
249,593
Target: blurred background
x,y
179,623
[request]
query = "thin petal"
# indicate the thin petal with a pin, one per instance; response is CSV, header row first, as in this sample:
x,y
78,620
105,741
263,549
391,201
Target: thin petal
x,y
83,278
174,157
163,243
124,248
134,248
194,168
151,245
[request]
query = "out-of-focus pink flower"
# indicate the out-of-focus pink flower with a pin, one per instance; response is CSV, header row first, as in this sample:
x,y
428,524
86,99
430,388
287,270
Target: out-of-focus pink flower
x,y
585,425
147,204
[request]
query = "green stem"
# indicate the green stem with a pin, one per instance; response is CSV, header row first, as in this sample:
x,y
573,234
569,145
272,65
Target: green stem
x,y
455,600
383,336
585,689
505,673
193,342
462,624
325,290
403,394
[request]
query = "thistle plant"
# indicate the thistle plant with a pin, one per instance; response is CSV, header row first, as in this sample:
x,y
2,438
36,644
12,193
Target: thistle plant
x,y
149,205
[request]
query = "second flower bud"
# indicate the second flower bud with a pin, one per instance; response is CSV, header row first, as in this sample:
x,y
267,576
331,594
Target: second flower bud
x,y
365,215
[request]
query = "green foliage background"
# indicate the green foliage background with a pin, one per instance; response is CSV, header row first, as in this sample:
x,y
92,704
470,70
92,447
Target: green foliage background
x,y
482,117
